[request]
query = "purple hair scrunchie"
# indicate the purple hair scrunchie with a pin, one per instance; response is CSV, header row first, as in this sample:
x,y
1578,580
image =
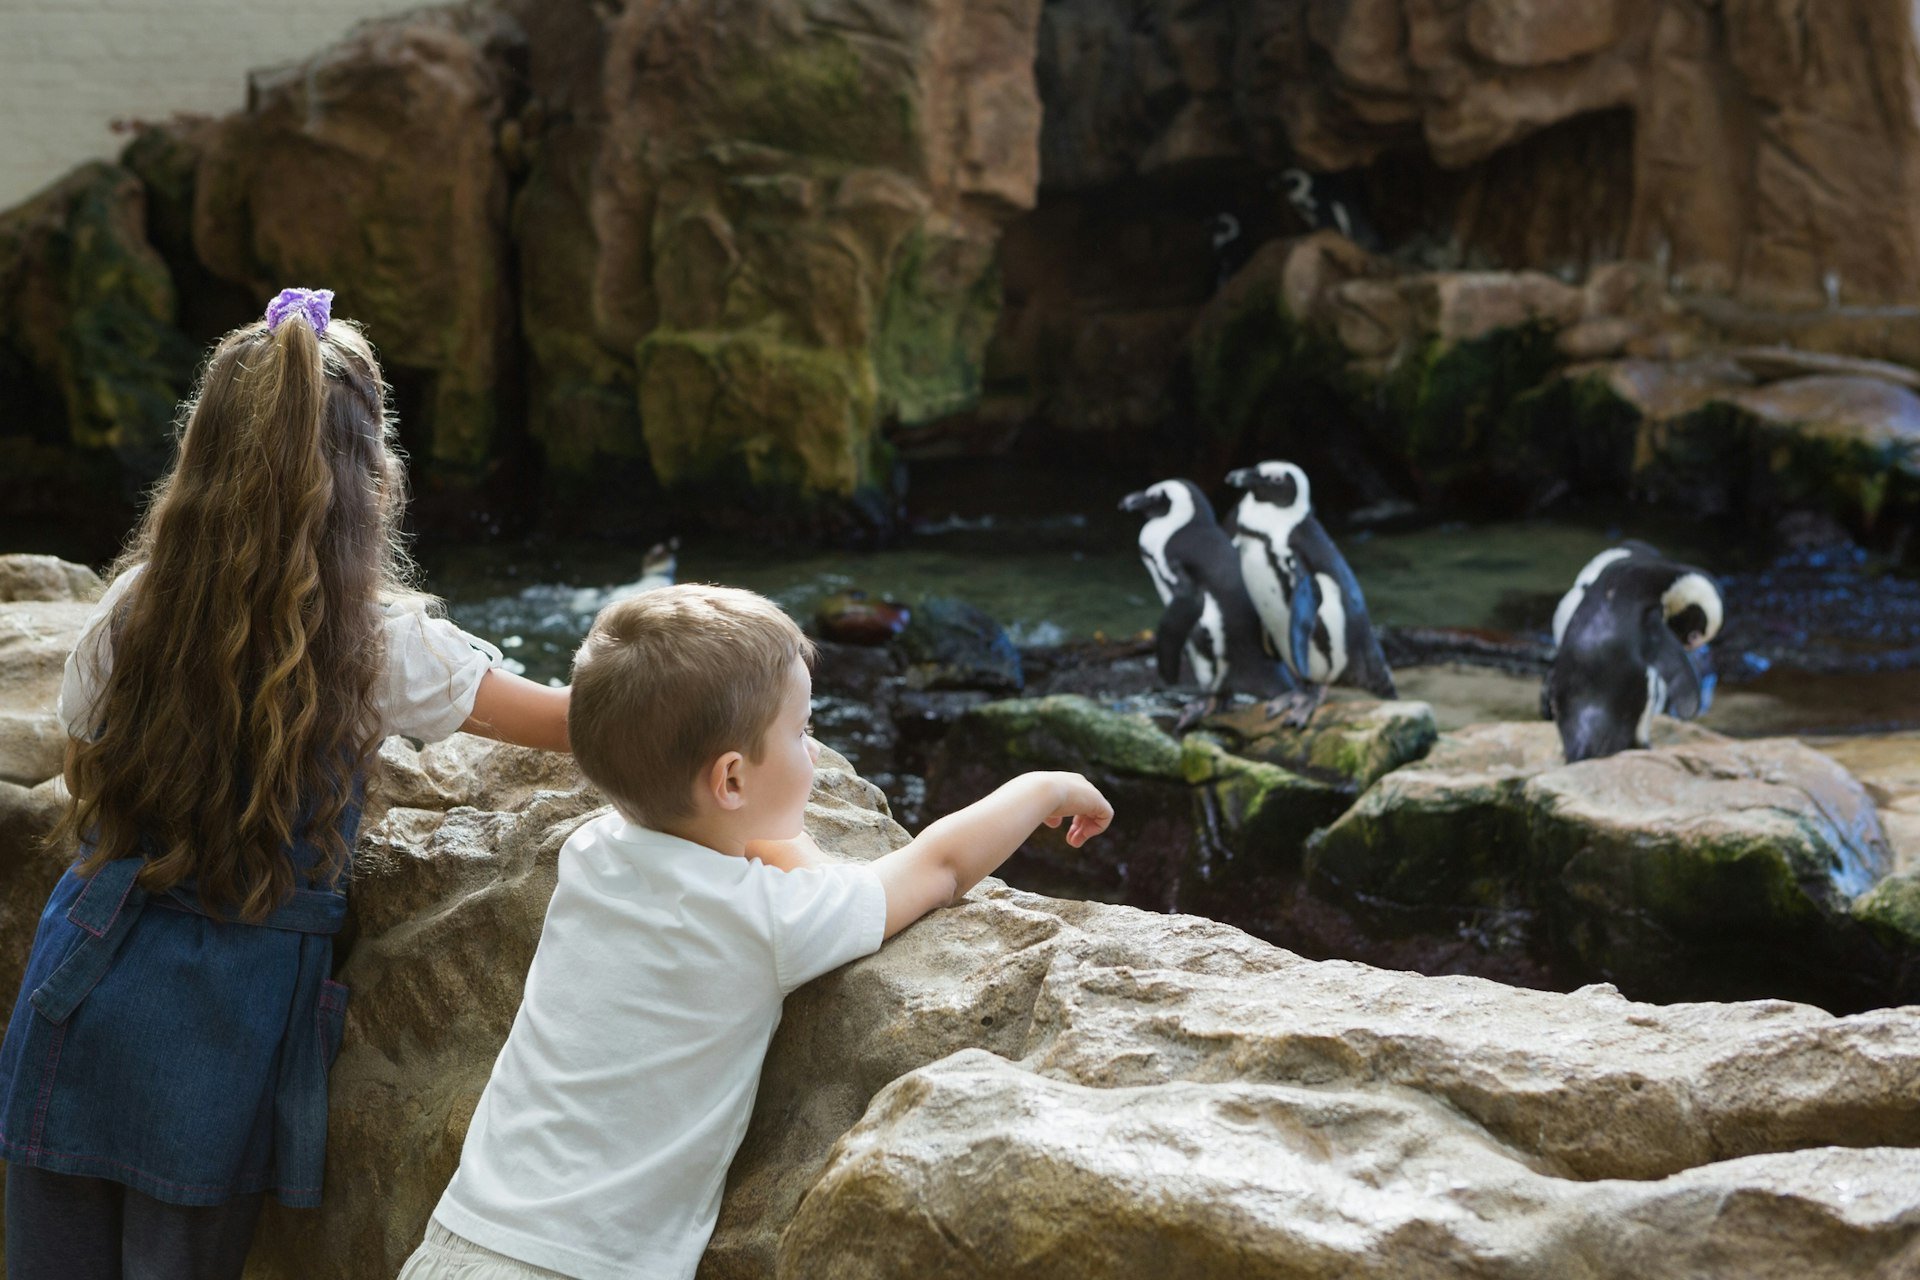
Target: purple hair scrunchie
x,y
315,304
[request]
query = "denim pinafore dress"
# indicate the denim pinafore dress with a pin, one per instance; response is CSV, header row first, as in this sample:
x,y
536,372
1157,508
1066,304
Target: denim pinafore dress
x,y
184,1056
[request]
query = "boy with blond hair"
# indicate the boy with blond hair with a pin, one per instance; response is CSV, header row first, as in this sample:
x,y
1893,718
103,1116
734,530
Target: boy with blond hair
x,y
679,922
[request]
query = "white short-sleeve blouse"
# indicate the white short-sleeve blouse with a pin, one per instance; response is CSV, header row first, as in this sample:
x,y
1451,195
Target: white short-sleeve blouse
x,y
433,670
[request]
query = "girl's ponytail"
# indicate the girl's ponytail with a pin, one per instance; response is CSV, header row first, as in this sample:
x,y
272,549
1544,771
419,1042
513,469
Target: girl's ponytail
x,y
254,638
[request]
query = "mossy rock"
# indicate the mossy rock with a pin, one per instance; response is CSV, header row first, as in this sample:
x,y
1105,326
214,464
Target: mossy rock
x,y
821,95
1256,357
1351,743
87,321
1446,832
951,644
1683,869
1891,909
1448,404
1186,812
929,346
1254,816
1067,731
782,418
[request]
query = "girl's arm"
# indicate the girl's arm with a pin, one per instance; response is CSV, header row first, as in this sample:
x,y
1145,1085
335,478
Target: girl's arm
x,y
515,709
951,855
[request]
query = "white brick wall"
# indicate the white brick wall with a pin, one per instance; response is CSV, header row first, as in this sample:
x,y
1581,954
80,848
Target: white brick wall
x,y
69,68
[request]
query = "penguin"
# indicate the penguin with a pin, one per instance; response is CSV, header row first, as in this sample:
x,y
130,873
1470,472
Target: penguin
x,y
1228,254
1320,203
1624,636
657,569
1196,573
1308,599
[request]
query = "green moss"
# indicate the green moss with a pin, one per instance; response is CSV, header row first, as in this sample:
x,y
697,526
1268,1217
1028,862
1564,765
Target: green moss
x,y
1423,840
931,339
1573,428
1067,727
784,417
1264,812
1447,402
819,96
1892,910
103,329
1259,363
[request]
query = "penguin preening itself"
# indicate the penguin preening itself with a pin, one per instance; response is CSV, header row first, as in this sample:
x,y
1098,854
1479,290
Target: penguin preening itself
x,y
1625,634
1207,613
1308,599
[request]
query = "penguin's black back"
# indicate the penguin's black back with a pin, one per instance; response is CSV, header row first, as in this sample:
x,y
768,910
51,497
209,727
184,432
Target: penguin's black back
x,y
1366,663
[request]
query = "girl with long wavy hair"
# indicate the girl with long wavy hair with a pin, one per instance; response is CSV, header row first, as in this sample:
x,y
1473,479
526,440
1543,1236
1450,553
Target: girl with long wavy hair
x,y
165,1066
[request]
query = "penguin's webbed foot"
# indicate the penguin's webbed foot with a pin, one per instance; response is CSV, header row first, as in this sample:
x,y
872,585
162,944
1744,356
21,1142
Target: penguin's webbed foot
x,y
1296,707
1194,712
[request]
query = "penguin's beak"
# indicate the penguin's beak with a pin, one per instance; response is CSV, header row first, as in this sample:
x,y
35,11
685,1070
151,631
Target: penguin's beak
x,y
1134,501
1241,479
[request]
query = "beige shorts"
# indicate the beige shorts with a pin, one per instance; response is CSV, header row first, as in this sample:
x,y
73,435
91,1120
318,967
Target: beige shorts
x,y
446,1256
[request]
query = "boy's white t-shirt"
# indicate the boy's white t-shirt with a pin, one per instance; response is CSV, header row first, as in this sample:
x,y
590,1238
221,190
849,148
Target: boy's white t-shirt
x,y
601,1144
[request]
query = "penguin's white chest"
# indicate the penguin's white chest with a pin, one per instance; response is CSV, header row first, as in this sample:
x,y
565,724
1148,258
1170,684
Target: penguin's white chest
x,y
1207,646
1329,663
1261,568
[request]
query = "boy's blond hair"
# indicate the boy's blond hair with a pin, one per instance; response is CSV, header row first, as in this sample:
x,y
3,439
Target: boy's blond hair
x,y
668,681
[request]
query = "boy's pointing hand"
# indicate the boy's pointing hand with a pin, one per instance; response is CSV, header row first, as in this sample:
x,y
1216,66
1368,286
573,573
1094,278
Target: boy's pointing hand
x,y
1080,800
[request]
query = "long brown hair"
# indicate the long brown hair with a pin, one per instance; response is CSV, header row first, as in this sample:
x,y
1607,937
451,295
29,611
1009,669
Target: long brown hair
x,y
239,705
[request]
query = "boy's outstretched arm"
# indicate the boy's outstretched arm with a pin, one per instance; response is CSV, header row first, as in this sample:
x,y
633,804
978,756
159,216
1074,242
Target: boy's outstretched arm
x,y
950,856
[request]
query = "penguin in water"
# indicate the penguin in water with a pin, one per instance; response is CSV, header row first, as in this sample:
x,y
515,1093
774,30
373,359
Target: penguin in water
x,y
1197,575
1625,634
1308,599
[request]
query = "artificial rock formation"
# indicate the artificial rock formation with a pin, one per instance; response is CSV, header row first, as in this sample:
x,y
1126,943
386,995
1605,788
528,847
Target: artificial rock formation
x,y
1020,1085
371,168
1702,868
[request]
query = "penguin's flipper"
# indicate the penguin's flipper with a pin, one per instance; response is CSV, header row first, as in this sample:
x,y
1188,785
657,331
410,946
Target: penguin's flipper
x,y
1303,614
1685,697
1176,624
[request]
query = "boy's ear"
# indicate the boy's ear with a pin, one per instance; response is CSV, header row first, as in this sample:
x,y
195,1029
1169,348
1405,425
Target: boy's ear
x,y
723,783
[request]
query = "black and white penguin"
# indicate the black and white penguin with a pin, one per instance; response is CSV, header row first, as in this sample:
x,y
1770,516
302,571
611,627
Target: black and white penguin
x,y
1196,573
1624,637
1308,599
1329,200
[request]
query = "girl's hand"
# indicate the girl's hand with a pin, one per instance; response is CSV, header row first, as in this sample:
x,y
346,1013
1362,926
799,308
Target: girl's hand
x,y
1080,800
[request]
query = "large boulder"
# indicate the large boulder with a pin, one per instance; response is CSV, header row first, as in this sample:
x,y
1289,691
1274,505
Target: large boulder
x,y
1699,869
373,168
1201,820
91,360
35,638
1525,1126
31,577
781,219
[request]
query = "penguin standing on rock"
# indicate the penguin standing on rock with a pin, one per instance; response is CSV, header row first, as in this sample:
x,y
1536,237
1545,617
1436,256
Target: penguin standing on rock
x,y
1625,634
1197,575
1308,599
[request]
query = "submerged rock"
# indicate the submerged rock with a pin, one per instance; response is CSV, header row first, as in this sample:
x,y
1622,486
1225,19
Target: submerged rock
x,y
950,644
